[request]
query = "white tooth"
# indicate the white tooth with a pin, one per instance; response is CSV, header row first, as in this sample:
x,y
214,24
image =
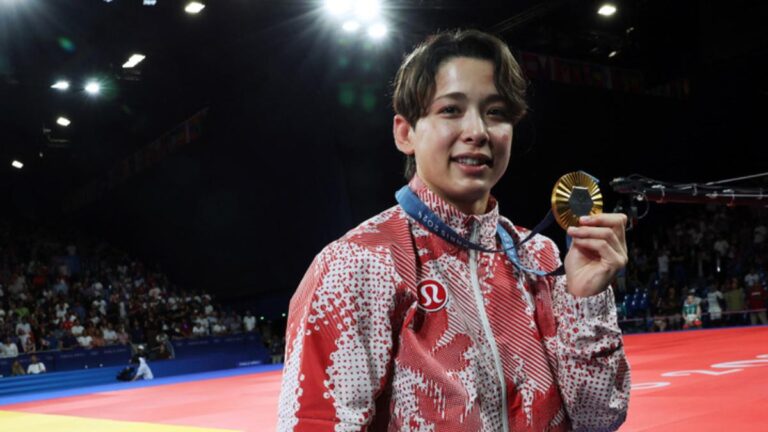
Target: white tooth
x,y
469,161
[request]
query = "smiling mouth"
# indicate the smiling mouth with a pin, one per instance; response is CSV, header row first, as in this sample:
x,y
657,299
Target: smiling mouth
x,y
473,161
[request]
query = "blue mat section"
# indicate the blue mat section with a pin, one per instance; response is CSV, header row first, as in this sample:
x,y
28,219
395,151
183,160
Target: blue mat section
x,y
68,370
117,386
247,346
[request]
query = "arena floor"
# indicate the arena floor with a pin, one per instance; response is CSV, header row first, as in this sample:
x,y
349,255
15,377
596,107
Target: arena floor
x,y
705,380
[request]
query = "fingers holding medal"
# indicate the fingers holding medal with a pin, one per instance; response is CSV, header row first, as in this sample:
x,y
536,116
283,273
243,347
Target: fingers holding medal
x,y
599,247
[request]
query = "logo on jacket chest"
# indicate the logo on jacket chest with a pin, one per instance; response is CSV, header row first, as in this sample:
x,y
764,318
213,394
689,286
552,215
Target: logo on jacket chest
x,y
432,295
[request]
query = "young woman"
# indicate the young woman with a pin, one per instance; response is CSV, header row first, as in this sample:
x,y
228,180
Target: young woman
x,y
417,321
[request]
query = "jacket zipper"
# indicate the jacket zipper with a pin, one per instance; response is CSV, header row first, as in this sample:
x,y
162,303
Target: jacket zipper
x,y
487,329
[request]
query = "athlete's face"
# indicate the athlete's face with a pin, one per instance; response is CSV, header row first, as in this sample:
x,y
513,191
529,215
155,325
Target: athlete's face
x,y
462,145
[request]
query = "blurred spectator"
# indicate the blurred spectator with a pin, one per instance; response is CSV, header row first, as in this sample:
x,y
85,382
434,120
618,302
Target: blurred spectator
x,y
249,321
691,312
663,263
50,342
8,349
714,297
35,366
218,329
77,329
143,371
85,340
751,278
109,334
123,338
660,312
137,333
97,340
756,303
674,317
69,341
17,369
163,353
199,330
277,348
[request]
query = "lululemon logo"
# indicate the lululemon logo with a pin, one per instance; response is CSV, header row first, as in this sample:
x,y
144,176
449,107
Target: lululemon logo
x,y
432,295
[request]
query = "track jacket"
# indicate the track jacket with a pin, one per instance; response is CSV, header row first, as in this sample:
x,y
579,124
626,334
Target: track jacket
x,y
394,329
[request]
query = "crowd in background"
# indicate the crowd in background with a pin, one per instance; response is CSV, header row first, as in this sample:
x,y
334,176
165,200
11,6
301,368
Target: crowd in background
x,y
57,295
697,267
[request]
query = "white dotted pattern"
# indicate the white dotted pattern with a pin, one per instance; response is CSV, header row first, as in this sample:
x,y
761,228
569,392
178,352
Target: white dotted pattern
x,y
355,335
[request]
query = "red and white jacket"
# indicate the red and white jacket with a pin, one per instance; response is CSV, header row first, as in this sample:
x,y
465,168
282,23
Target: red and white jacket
x,y
393,328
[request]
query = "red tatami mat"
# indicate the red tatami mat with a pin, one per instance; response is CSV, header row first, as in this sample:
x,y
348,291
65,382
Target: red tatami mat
x,y
708,380
245,403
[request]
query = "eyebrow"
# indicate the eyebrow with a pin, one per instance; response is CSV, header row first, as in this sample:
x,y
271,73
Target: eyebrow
x,y
462,97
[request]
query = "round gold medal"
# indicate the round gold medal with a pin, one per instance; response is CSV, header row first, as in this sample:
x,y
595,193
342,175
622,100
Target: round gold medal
x,y
575,194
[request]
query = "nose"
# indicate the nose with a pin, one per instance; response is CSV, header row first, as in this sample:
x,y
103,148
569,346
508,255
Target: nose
x,y
475,129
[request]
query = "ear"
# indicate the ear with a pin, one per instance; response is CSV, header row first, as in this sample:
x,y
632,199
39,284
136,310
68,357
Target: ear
x,y
401,130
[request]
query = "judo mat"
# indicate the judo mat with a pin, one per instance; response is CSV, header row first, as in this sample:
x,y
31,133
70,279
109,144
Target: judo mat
x,y
700,380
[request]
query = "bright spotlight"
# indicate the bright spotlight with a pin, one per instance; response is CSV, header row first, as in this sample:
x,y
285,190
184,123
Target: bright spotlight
x,y
149,2
612,53
61,85
377,31
194,7
133,61
351,26
93,87
338,7
368,10
16,164
607,9
63,121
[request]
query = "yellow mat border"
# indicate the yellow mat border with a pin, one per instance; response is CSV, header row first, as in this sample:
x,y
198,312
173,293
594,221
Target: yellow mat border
x,y
16,421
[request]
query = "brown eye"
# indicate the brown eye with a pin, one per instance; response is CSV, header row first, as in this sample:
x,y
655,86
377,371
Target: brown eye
x,y
498,112
450,109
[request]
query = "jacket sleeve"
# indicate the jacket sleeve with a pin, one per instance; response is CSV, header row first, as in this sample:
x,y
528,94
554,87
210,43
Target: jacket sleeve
x,y
592,373
338,341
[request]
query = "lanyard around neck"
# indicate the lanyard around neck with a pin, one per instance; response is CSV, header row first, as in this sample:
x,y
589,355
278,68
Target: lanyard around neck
x,y
419,211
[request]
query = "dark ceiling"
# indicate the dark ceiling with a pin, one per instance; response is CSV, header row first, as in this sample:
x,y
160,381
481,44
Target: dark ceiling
x,y
298,109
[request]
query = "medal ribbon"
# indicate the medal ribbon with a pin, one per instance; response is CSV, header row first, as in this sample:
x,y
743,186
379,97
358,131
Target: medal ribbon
x,y
419,211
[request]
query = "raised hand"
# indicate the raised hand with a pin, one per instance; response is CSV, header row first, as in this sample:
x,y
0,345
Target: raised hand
x,y
598,251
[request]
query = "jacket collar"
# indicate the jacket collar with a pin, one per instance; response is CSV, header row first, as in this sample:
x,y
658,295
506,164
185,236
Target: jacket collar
x,y
461,222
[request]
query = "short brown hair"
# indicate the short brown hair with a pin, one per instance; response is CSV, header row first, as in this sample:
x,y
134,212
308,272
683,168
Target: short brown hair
x,y
414,84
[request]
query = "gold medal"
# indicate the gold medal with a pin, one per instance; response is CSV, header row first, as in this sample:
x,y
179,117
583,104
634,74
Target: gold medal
x,y
575,194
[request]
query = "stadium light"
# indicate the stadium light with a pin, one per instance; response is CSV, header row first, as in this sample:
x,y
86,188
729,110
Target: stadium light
x,y
607,9
63,121
194,7
61,85
133,61
149,2
338,7
377,31
93,87
368,10
16,164
351,26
